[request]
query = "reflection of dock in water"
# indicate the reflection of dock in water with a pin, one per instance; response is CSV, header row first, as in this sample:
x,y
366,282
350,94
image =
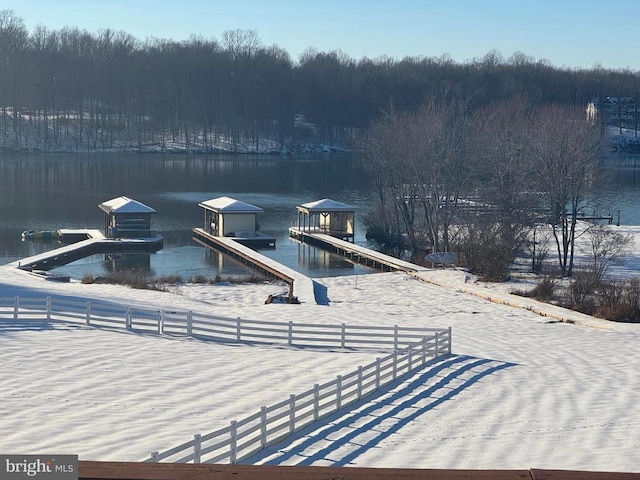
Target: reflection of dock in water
x,y
87,242
330,225
353,252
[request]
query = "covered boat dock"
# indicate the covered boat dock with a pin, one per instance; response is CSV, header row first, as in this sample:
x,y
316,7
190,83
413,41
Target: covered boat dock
x,y
127,229
328,217
228,217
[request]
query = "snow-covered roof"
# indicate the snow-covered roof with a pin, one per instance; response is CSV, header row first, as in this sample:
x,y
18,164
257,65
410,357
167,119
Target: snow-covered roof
x,y
326,205
125,205
227,204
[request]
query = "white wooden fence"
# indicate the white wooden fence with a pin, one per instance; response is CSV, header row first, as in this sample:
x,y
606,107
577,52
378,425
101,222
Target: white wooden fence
x,y
210,327
270,425
412,348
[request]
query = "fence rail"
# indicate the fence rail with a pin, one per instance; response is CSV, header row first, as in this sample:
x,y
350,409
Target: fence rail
x,y
411,348
272,424
211,327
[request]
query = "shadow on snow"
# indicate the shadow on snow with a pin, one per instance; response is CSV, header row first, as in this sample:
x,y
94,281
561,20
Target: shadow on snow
x,y
390,405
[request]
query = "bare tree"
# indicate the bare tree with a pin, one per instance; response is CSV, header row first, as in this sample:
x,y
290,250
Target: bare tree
x,y
497,227
419,164
567,148
391,219
603,247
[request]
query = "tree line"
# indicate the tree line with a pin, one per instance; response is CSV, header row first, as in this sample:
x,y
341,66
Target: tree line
x,y
72,89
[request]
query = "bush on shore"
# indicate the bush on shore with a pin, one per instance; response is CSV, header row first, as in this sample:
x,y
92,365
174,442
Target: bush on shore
x,y
139,279
615,300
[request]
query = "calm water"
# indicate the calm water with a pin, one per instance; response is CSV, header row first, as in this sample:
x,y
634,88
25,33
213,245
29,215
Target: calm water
x,y
620,190
48,192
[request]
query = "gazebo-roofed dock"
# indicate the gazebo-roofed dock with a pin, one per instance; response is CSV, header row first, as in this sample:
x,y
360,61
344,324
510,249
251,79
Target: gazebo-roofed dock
x,y
127,229
227,217
126,218
327,216
330,225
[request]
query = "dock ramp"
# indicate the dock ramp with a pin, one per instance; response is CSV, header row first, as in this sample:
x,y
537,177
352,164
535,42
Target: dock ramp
x,y
300,286
95,243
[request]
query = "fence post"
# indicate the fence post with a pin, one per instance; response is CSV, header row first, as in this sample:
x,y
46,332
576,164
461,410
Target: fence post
x,y
16,304
343,336
395,337
128,320
424,350
197,447
189,323
48,308
290,332
339,392
437,353
316,401
377,373
87,313
359,382
292,413
234,441
160,321
410,358
395,364
238,329
155,457
263,426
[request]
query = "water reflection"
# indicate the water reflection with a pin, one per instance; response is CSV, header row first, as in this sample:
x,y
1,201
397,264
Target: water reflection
x,y
138,262
48,192
313,258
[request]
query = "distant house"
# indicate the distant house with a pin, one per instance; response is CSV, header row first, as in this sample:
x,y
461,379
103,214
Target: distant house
x,y
126,218
619,111
227,217
327,216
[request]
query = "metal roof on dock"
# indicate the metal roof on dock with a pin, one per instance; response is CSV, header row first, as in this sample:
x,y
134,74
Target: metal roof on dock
x,y
326,205
228,204
125,205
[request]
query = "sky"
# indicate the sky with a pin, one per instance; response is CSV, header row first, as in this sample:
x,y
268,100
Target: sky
x,y
567,33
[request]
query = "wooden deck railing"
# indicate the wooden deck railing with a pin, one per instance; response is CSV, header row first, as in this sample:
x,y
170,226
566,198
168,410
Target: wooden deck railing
x,y
188,471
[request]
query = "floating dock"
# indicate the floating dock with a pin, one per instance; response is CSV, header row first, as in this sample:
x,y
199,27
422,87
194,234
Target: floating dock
x,y
94,243
353,252
304,286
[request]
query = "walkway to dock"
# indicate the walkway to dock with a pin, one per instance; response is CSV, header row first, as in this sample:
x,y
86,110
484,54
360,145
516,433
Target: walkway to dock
x,y
300,285
95,243
355,252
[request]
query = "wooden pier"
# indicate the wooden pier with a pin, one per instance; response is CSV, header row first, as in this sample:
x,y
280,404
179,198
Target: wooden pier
x,y
353,252
304,288
95,243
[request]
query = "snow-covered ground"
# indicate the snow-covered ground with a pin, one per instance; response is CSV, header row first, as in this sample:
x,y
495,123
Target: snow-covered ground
x,y
521,390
